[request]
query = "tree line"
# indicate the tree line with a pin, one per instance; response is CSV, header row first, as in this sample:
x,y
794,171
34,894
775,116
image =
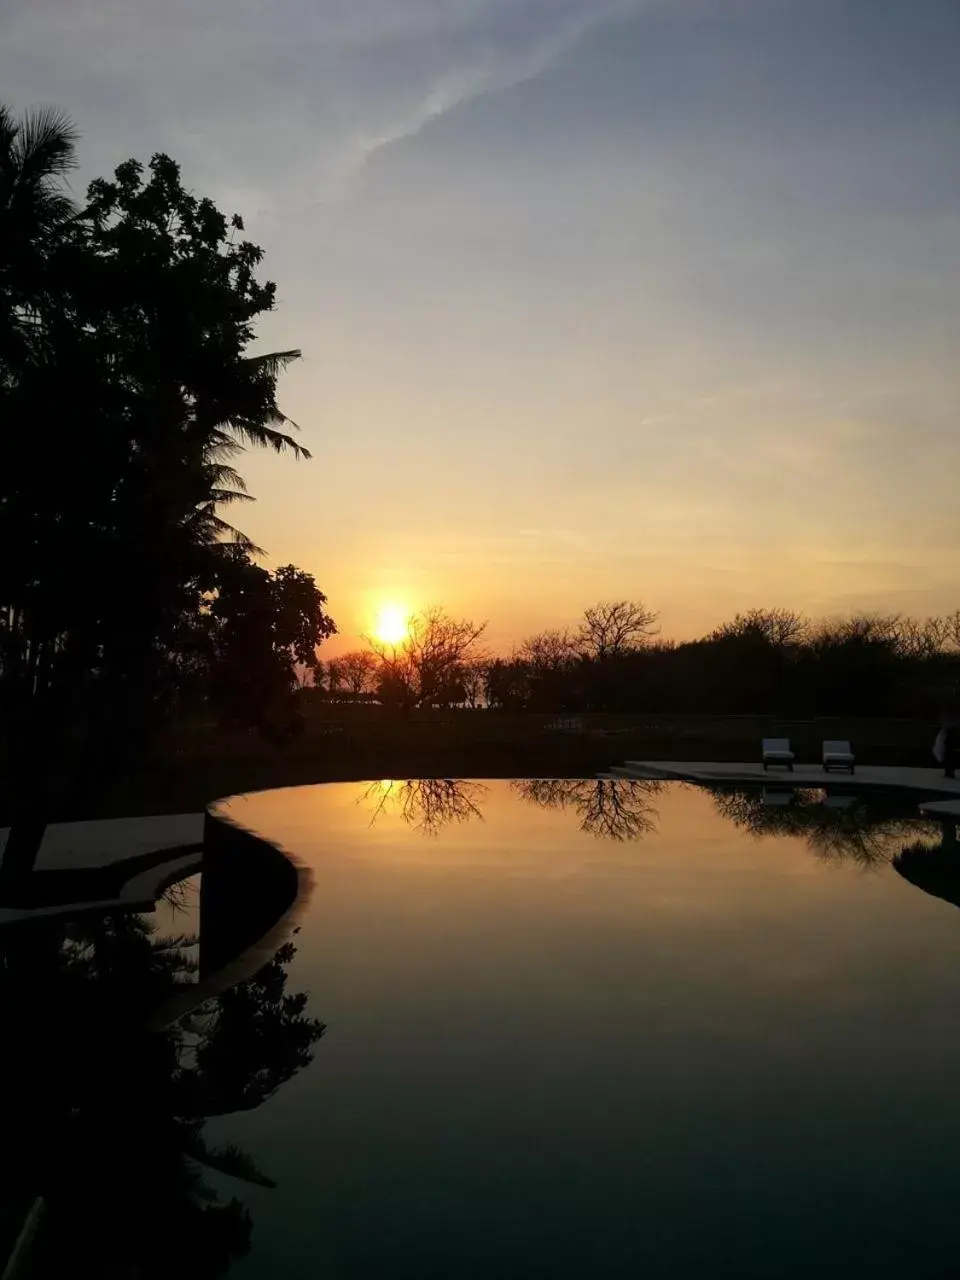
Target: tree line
x,y
764,662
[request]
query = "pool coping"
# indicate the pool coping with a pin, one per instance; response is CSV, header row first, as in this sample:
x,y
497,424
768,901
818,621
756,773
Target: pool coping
x,y
942,792
227,840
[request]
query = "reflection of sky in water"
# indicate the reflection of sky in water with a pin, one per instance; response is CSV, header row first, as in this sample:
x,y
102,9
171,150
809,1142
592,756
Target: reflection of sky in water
x,y
708,1050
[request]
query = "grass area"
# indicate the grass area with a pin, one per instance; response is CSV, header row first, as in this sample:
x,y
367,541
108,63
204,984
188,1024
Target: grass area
x,y
196,764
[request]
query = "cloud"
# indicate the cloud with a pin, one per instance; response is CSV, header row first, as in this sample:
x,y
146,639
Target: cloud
x,y
293,97
487,63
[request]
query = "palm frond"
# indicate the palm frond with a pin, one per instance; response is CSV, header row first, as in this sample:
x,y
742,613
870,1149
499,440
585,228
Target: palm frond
x,y
230,1160
273,363
220,474
219,445
9,128
218,496
265,436
45,145
223,531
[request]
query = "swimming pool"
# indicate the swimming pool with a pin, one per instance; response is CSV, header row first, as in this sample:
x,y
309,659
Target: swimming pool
x,y
609,1028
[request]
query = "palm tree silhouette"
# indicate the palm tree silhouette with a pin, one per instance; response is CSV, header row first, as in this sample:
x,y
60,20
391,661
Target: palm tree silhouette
x,y
123,333
36,154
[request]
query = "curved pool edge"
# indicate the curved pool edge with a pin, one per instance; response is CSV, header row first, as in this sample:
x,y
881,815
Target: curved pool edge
x,y
281,884
252,892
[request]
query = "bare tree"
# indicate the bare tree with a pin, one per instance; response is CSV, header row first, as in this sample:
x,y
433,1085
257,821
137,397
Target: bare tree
x,y
952,624
334,675
922,638
938,635
547,650
473,679
426,669
778,627
859,628
358,671
615,627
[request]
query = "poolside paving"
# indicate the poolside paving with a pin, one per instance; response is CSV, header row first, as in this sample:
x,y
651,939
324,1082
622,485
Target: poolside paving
x,y
941,808
928,782
98,845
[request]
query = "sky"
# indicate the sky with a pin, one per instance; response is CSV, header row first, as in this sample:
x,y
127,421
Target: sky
x,y
597,299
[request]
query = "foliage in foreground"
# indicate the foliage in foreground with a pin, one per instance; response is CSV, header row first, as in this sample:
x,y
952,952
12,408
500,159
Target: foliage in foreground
x,y
115,1140
128,389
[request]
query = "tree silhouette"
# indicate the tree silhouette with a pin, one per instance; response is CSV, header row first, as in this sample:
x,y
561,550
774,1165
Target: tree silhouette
x,y
548,665
614,627
548,650
608,808
259,627
775,627
508,686
36,155
473,682
427,668
124,330
763,662
355,672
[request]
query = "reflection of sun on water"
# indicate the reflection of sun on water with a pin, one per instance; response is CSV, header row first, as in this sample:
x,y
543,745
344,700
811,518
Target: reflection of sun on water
x,y
391,626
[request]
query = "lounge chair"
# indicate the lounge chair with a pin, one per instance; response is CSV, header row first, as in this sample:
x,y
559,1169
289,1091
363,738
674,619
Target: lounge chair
x,y
837,755
776,751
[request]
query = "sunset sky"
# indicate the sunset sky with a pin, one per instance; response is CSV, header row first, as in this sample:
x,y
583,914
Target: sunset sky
x,y
656,299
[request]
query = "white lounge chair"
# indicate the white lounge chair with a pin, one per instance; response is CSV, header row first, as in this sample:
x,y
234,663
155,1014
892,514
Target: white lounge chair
x,y
837,755
776,751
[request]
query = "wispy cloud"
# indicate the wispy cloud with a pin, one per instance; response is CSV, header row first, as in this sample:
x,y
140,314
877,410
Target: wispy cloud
x,y
488,66
301,94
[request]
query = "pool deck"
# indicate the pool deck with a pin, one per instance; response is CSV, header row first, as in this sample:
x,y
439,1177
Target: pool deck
x,y
935,793
140,843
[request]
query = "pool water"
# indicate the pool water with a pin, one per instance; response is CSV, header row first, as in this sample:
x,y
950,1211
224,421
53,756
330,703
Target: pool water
x,y
609,1029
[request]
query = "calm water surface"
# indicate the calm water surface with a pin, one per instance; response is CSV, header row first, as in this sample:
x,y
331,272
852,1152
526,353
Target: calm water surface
x,y
576,1031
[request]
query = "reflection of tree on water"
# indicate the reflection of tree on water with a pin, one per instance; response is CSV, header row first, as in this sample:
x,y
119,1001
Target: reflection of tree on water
x,y
608,808
428,804
115,1142
249,1041
867,831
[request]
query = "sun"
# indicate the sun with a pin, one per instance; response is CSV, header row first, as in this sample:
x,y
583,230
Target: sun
x,y
392,625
